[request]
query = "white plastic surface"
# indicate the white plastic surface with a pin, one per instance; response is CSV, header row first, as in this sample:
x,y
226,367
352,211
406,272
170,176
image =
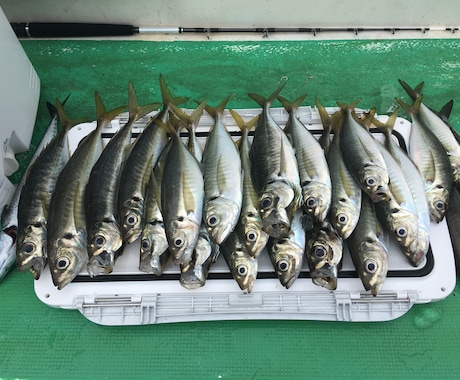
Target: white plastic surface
x,y
20,90
156,300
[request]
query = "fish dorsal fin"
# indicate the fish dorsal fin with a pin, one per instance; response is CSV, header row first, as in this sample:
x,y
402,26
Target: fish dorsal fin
x,y
412,92
261,101
216,112
292,107
136,111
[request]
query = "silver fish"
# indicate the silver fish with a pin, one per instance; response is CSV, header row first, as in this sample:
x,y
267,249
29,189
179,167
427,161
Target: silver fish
x,y
274,171
363,159
241,264
286,253
222,179
440,129
315,179
182,194
324,254
406,215
67,238
105,243
36,196
9,216
346,192
136,173
453,223
325,138
368,248
250,226
432,161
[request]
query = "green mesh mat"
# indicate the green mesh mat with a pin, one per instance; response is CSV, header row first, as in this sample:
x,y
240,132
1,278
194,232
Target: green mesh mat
x,y
37,341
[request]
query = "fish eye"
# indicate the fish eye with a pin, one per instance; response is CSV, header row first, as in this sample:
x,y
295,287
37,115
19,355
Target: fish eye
x,y
266,202
99,240
242,269
145,244
213,220
28,247
371,266
131,220
319,252
370,181
311,202
401,232
439,205
283,265
251,236
342,218
178,242
63,263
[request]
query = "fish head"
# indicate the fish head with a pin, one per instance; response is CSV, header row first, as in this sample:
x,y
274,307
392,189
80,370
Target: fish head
x,y
153,244
192,277
132,221
244,268
405,226
220,216
69,256
277,194
438,198
252,234
373,265
374,181
287,261
344,216
325,276
422,245
182,236
316,200
31,249
202,250
325,249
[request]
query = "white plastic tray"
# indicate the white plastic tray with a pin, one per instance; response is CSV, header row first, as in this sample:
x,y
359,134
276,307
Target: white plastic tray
x,y
130,297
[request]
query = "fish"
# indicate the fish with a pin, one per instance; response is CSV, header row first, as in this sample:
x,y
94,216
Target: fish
x,y
182,197
205,254
368,248
324,254
223,180
440,129
286,253
9,215
274,171
67,236
406,215
242,265
453,224
325,138
250,226
431,159
346,192
36,197
138,167
315,179
363,159
105,243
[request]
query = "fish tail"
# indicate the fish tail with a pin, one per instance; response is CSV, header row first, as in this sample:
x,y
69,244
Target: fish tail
x,y
291,107
219,110
261,101
136,111
190,121
52,109
103,116
350,107
367,118
244,126
414,108
387,127
66,122
447,109
171,127
414,93
166,95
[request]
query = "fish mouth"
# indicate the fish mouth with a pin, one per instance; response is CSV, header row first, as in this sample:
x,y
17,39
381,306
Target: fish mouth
x,y
380,194
192,277
150,264
325,277
34,264
276,223
103,263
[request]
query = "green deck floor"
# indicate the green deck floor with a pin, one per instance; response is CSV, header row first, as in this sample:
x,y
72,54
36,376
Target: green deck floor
x,y
37,341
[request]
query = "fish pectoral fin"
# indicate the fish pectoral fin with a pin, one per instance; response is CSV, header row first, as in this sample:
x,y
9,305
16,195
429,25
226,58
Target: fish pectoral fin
x,y
189,197
221,176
